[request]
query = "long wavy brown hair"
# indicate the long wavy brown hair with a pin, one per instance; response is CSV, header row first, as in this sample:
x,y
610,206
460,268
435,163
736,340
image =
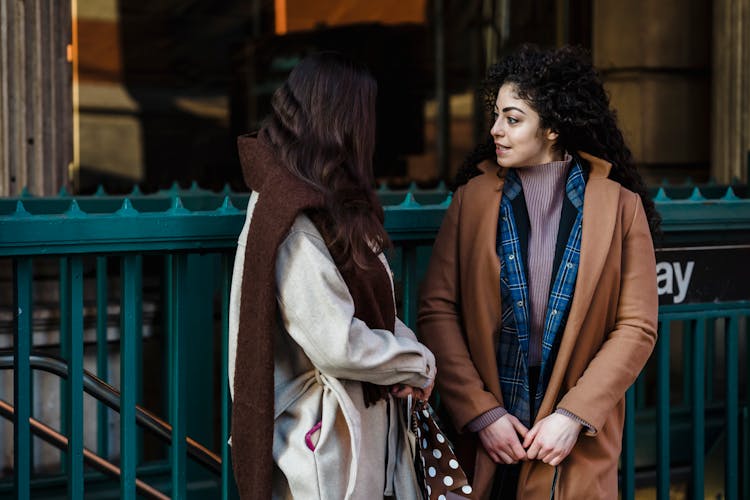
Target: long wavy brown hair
x,y
322,126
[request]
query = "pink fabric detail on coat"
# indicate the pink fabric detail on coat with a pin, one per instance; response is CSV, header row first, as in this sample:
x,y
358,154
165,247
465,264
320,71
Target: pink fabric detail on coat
x,y
308,436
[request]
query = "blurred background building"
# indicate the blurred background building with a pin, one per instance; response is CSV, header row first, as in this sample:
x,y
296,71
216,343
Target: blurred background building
x,y
119,92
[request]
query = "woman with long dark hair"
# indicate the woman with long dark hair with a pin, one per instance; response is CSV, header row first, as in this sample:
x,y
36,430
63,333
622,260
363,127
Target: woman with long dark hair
x,y
540,300
317,353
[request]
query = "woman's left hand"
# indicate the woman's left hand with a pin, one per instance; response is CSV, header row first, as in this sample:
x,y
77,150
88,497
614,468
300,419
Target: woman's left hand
x,y
552,439
404,391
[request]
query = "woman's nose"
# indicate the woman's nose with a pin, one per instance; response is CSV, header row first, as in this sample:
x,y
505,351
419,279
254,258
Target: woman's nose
x,y
497,129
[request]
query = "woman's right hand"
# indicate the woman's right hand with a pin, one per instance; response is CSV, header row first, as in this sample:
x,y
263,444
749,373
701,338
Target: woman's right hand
x,y
501,439
404,391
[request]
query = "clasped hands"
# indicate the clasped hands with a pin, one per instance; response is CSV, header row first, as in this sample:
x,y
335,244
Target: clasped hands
x,y
550,440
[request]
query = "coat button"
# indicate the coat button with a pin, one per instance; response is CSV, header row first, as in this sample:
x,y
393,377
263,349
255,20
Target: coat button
x,y
569,265
519,303
511,257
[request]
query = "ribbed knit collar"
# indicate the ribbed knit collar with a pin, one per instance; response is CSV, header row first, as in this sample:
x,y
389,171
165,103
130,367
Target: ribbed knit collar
x,y
547,175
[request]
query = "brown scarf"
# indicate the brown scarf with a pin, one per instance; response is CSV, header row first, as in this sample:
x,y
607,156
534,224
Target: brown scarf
x,y
282,196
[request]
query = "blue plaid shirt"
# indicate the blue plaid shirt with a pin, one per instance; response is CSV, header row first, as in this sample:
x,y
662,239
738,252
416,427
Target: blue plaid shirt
x,y
513,348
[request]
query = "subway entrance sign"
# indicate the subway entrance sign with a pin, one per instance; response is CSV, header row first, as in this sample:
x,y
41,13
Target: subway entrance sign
x,y
701,274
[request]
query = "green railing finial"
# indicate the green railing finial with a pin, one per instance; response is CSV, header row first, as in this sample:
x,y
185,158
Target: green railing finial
x,y
127,209
21,210
177,207
696,195
409,201
661,195
227,206
74,210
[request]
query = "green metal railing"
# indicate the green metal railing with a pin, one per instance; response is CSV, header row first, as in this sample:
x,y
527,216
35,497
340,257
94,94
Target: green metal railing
x,y
187,239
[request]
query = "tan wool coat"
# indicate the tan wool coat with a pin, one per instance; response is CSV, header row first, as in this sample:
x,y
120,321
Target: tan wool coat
x,y
609,335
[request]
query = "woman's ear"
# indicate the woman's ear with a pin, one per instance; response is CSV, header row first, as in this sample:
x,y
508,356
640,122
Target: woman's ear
x,y
552,135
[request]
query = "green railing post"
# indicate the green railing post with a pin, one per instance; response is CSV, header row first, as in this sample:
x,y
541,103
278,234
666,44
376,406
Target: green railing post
x,y
177,414
732,408
627,463
698,407
129,337
688,332
662,413
102,355
138,348
65,310
409,283
74,396
22,341
710,358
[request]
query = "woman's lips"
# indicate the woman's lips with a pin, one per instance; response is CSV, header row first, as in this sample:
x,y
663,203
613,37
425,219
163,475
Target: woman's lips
x,y
499,150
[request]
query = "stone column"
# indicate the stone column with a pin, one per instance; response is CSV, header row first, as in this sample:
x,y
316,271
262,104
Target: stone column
x,y
730,103
35,96
655,61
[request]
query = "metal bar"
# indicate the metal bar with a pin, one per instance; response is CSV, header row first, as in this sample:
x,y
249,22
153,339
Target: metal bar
x,y
23,338
102,355
698,407
138,347
688,332
74,394
56,439
732,409
64,290
177,414
226,473
710,358
409,276
628,447
168,321
129,336
662,413
111,397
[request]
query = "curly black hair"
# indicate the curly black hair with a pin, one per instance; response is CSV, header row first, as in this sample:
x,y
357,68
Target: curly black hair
x,y
564,88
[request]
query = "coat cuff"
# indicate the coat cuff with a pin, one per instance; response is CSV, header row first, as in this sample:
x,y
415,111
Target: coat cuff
x,y
486,418
590,429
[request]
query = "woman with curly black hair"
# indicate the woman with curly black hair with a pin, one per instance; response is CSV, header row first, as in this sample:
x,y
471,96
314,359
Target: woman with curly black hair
x,y
540,300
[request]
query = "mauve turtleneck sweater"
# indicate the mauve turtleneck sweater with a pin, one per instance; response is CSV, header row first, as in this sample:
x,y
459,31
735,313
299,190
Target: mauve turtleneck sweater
x,y
544,190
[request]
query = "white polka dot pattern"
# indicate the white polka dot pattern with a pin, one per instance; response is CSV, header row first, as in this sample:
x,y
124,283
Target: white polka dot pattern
x,y
439,472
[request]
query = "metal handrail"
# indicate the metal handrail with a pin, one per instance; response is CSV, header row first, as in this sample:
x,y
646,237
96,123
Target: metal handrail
x,y
61,442
108,395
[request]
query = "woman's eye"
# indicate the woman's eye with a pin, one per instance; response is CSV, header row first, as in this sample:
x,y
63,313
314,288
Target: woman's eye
x,y
512,120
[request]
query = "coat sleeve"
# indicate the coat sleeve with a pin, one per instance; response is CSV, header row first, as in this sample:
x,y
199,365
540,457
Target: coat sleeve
x,y
628,345
317,311
441,329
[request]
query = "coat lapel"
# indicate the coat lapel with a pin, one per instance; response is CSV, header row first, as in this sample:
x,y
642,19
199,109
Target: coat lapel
x,y
481,275
599,218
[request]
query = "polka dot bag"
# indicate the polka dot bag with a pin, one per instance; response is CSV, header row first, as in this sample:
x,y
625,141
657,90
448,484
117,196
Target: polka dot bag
x,y
437,468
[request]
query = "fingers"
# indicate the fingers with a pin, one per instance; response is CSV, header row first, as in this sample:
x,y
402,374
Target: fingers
x,y
402,392
533,451
506,459
519,427
530,436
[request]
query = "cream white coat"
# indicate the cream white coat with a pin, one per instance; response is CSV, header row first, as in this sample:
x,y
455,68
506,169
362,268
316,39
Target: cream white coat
x,y
321,353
